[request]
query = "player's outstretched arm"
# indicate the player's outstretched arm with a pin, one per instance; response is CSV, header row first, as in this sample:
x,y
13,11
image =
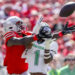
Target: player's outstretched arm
x,y
26,40
67,9
66,30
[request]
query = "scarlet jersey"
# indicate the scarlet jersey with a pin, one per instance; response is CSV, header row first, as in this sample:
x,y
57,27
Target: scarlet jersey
x,y
26,33
13,61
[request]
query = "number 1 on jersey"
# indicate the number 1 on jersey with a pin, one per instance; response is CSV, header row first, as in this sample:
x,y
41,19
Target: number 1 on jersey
x,y
37,53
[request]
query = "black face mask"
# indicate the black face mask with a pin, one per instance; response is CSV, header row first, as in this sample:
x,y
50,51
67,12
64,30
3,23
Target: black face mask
x,y
20,26
45,31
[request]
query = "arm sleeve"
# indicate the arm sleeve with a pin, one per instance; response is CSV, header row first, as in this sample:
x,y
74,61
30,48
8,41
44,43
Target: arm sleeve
x,y
9,35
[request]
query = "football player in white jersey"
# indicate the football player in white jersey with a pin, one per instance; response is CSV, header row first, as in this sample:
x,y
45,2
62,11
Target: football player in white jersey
x,y
41,54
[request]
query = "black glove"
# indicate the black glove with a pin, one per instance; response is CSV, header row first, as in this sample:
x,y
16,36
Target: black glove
x,y
44,32
67,29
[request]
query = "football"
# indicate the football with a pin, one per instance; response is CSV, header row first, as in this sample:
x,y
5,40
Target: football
x,y
67,9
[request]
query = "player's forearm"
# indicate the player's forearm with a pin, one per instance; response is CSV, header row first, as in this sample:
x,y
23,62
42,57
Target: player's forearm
x,y
26,40
47,56
57,35
29,39
66,30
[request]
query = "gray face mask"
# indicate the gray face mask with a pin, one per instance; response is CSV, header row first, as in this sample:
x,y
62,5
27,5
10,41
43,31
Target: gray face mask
x,y
21,26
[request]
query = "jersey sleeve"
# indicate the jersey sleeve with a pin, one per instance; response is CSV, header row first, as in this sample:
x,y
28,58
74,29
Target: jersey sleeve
x,y
26,33
53,48
9,35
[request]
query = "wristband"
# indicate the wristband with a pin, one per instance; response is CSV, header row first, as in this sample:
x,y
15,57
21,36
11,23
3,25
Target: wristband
x,y
35,38
60,34
48,57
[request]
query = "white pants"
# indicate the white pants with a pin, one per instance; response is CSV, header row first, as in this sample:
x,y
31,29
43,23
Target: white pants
x,y
3,71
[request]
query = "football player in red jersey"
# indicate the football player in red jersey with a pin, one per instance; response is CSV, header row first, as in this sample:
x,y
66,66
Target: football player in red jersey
x,y
15,44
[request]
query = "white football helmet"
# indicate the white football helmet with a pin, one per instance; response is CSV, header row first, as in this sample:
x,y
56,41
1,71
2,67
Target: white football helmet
x,y
42,24
13,23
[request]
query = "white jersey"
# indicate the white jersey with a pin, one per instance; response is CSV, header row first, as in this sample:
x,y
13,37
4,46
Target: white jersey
x,y
35,57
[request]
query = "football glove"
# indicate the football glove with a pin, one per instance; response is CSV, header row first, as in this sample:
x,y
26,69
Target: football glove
x,y
67,29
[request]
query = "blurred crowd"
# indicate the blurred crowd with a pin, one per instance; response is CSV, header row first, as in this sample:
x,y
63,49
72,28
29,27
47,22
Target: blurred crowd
x,y
29,11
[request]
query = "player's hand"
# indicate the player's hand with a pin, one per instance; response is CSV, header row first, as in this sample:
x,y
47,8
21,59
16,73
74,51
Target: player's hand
x,y
67,29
